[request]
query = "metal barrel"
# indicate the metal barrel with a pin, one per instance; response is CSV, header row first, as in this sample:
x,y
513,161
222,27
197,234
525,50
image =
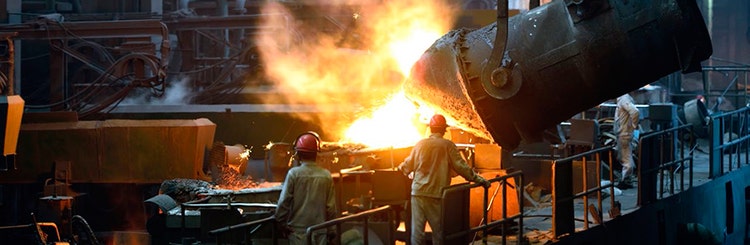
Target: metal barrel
x,y
561,58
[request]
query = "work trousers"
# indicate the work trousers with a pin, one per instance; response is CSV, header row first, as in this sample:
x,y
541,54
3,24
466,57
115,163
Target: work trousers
x,y
624,145
299,237
423,210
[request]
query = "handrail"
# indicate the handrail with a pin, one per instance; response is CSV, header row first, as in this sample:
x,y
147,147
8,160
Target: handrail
x,y
54,228
728,124
729,113
247,225
736,88
361,215
229,205
241,225
12,227
36,228
657,152
726,68
486,225
183,221
200,204
563,213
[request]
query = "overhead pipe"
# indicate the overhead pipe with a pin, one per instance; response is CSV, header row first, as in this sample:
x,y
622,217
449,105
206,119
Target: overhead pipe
x,y
239,7
223,11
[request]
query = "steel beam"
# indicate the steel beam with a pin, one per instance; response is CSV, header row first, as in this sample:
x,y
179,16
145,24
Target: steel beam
x,y
562,197
217,22
87,29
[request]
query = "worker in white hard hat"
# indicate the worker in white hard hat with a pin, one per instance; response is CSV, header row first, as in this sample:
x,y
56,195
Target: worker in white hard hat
x,y
429,165
307,196
627,130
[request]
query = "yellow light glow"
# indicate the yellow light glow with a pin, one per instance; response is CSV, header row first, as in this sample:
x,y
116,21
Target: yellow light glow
x,y
408,50
396,124
318,67
244,155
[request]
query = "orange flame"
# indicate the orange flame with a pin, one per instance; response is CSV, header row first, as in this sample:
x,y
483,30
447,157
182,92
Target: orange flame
x,y
358,68
407,51
395,124
398,122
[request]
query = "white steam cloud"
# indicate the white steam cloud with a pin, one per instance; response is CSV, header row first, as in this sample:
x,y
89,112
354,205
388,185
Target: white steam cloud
x,y
177,92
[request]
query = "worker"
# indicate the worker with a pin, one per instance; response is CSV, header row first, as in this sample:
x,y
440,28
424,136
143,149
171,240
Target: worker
x,y
626,129
429,165
307,196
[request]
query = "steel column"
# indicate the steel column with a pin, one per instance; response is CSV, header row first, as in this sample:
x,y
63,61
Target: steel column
x,y
562,198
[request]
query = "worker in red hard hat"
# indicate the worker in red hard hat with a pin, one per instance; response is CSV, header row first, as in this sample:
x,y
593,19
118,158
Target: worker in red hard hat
x,y
307,196
429,165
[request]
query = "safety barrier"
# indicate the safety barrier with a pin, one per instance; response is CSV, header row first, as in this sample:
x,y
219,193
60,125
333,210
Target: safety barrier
x,y
661,156
734,78
486,225
253,226
364,216
563,212
729,137
34,233
250,229
230,214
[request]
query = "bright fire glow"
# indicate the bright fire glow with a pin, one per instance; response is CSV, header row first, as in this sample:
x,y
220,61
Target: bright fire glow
x,y
244,155
393,124
408,50
323,68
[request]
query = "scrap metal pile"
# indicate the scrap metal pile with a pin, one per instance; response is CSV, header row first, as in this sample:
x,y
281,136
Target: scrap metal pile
x,y
186,190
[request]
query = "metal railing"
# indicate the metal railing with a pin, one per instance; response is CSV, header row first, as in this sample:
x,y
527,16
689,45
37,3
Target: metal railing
x,y
253,226
364,216
250,229
563,212
34,233
729,141
661,156
201,204
736,87
486,224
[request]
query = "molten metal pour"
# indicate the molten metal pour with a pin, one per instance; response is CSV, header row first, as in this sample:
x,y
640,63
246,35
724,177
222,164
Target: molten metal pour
x,y
559,60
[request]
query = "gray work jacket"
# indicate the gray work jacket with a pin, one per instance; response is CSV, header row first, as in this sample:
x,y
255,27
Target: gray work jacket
x,y
432,159
307,197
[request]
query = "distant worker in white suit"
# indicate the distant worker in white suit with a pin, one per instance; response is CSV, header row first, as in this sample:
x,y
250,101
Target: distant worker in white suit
x,y
626,129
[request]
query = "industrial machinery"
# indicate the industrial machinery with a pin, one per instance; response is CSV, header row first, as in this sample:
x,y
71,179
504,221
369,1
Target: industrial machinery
x,y
566,55
554,61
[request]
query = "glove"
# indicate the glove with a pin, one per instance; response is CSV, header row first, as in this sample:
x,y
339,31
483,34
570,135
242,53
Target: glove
x,y
331,237
282,228
483,181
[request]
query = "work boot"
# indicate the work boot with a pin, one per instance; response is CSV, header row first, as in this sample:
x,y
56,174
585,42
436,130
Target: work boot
x,y
632,179
624,185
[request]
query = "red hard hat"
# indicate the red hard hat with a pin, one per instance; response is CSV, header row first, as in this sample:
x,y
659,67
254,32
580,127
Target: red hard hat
x,y
438,121
307,142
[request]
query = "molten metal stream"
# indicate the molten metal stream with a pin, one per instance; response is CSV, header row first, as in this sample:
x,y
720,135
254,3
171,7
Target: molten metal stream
x,y
560,60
